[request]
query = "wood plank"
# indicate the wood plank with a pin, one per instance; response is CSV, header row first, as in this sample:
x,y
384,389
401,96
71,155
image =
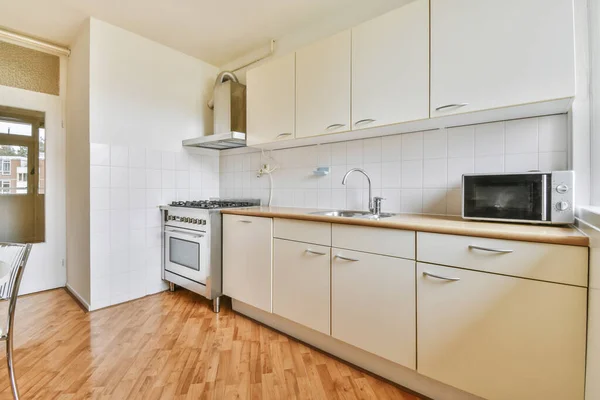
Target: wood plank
x,y
169,346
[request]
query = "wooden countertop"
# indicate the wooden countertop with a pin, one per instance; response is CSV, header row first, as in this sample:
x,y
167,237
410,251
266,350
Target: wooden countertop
x,y
433,223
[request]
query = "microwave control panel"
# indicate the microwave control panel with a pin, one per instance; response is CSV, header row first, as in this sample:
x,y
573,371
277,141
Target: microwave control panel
x,y
562,197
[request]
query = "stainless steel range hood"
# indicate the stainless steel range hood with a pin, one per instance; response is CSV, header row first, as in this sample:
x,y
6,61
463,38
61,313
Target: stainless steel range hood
x,y
229,116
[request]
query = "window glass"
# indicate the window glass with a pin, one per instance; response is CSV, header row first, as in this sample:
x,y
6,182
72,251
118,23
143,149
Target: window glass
x,y
22,174
14,169
15,128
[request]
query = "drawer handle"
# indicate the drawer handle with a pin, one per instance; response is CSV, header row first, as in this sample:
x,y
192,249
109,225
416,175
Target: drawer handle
x,y
335,126
283,135
445,278
315,252
457,105
245,221
345,258
473,247
363,121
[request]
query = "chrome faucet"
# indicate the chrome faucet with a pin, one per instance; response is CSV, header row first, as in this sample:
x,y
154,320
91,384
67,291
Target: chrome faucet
x,y
374,202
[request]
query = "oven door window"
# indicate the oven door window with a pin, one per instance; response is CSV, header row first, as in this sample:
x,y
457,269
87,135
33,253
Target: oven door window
x,y
509,197
184,253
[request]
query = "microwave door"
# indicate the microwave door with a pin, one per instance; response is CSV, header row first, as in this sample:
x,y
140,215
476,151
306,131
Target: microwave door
x,y
519,197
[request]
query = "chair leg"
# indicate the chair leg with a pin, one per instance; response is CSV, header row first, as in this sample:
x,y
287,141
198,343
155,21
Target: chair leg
x,y
11,368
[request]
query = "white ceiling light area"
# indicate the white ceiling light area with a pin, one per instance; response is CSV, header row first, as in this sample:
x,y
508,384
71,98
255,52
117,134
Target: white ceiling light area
x,y
214,31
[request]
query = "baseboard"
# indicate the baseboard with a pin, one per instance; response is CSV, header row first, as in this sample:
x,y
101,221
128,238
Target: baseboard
x,y
402,376
77,297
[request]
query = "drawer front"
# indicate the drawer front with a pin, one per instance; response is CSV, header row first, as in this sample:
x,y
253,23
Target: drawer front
x,y
301,283
389,242
547,262
303,231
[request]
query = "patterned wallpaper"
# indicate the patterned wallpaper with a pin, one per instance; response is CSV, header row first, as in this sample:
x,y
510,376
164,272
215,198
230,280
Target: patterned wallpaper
x,y
29,69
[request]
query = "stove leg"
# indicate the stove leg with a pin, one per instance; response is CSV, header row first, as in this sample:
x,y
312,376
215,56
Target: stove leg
x,y
171,287
217,304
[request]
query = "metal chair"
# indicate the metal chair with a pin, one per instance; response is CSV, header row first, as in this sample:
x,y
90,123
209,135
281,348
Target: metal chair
x,y
13,258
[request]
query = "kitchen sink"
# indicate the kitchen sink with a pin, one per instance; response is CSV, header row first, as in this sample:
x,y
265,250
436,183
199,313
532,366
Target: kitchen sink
x,y
352,214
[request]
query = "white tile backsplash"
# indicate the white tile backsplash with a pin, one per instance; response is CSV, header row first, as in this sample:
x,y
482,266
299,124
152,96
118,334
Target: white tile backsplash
x,y
412,146
489,139
119,156
521,136
127,184
418,172
461,141
553,133
435,144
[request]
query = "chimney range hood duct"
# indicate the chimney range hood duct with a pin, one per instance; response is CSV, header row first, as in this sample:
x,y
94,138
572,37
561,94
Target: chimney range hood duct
x,y
229,105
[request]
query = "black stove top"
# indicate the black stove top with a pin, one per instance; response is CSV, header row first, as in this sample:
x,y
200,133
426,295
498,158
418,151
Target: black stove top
x,y
214,204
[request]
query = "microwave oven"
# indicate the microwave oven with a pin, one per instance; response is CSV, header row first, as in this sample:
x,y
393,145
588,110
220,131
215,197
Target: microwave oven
x,y
529,197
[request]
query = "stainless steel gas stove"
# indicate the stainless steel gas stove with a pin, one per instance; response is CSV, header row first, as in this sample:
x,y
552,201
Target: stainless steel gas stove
x,y
192,245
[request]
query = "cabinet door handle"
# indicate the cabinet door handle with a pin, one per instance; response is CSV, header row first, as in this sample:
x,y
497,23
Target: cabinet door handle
x,y
456,105
502,251
345,258
283,135
335,126
315,252
364,121
445,278
245,221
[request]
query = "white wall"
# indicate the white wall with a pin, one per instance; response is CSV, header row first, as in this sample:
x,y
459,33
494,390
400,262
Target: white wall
x,y
78,166
580,115
416,172
144,93
45,269
145,98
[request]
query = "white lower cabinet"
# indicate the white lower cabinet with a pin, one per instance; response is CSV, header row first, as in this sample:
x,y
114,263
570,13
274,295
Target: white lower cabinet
x,y
301,283
373,304
501,337
247,259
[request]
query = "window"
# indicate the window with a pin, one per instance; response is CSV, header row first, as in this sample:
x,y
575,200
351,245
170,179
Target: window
x,y
22,157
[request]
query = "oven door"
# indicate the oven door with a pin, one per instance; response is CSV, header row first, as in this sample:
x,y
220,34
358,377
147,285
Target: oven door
x,y
507,197
186,253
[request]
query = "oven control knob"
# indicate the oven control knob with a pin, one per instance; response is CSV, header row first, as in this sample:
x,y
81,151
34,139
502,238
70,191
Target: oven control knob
x,y
562,206
186,219
562,188
203,222
195,221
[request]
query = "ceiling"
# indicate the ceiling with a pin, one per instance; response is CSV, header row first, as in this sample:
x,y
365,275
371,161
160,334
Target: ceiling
x,y
215,31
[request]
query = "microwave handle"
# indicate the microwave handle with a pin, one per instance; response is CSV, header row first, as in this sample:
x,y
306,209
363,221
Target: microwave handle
x,y
183,233
544,197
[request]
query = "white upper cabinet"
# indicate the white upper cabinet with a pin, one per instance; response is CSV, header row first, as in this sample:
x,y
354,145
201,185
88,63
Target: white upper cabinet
x,y
491,54
323,86
390,67
271,101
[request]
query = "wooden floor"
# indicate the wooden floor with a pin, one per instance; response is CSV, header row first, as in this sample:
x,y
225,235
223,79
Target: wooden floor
x,y
169,346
